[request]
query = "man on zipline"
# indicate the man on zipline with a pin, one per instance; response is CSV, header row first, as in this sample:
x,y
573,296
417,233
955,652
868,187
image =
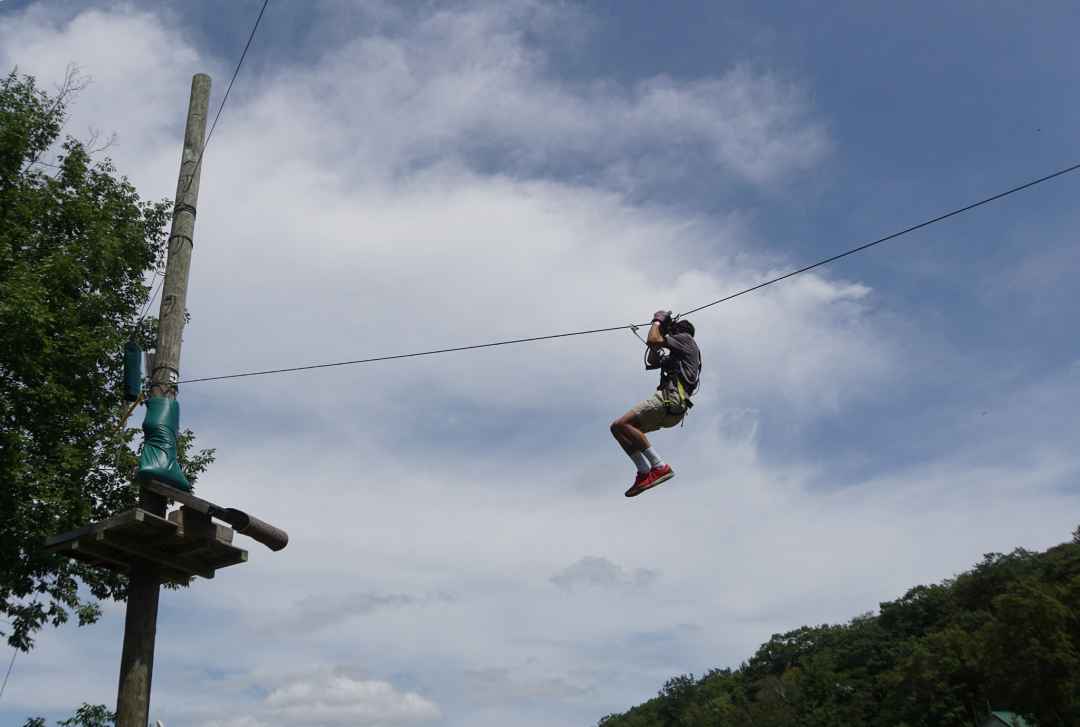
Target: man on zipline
x,y
680,369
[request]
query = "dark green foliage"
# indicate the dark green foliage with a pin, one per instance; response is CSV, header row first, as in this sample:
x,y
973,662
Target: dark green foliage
x,y
1006,634
75,243
88,715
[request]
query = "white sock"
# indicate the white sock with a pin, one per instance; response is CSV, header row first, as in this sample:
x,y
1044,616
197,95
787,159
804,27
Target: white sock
x,y
652,457
641,462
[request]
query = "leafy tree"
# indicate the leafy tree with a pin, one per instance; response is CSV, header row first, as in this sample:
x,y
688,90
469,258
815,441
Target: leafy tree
x,y
1004,634
940,681
1031,660
88,715
677,697
75,244
918,610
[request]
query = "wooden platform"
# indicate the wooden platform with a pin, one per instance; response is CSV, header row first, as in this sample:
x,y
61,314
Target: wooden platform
x,y
182,546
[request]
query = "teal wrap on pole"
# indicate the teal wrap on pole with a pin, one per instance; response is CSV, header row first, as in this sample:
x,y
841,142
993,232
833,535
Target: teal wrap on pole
x,y
157,461
132,371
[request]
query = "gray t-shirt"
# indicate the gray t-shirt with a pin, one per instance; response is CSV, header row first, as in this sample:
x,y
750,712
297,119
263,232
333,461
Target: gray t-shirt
x,y
684,360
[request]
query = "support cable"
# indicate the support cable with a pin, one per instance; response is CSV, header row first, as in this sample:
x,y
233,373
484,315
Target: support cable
x,y
11,665
154,290
198,162
632,327
236,72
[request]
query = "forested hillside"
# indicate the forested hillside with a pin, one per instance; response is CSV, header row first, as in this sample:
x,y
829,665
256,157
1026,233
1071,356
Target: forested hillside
x,y
1003,634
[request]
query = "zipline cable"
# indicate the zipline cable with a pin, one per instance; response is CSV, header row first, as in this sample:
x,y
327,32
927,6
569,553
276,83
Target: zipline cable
x,y
404,355
228,90
852,251
893,236
198,162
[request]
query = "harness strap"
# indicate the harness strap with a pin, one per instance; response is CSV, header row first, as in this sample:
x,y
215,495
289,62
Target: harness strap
x,y
683,398
683,404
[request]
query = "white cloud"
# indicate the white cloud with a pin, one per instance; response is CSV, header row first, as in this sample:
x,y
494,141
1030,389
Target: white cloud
x,y
593,571
135,65
330,699
501,686
375,199
464,82
242,721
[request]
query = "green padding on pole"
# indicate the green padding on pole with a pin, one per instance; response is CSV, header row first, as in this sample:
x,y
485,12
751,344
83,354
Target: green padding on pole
x,y
132,371
157,460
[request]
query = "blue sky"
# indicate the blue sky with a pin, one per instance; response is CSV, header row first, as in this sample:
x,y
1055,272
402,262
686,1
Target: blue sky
x,y
392,177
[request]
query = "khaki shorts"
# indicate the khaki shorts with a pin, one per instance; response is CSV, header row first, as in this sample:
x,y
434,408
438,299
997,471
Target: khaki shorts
x,y
652,414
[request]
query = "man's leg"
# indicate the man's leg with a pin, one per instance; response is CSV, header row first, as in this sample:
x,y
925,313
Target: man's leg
x,y
637,444
625,430
629,430
630,444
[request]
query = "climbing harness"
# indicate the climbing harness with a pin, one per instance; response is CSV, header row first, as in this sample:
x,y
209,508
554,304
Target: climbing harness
x,y
676,401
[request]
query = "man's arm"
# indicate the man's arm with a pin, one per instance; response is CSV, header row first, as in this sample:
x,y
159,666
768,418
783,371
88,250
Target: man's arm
x,y
656,338
653,358
656,341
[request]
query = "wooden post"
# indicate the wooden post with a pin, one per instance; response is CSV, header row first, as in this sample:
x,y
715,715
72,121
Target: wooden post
x,y
140,624
174,294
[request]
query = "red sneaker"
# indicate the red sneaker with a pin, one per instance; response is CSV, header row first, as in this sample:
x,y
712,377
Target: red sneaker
x,y
636,487
656,475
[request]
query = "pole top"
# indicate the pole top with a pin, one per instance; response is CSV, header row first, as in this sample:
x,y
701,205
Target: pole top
x,y
200,89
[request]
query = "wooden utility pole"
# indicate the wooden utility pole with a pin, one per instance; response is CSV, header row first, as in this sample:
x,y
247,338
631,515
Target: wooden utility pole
x,y
140,625
143,542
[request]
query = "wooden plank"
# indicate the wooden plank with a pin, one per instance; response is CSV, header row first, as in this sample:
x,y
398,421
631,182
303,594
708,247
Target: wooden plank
x,y
229,555
144,523
107,552
166,560
121,520
92,554
80,551
137,536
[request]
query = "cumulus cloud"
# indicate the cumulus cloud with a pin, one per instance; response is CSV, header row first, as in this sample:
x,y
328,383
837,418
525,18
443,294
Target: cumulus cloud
x,y
242,721
333,699
592,571
492,686
118,51
317,698
323,611
467,83
437,187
